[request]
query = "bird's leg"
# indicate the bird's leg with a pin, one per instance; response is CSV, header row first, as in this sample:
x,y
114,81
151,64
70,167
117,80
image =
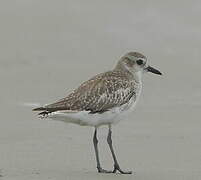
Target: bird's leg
x,y
95,141
116,164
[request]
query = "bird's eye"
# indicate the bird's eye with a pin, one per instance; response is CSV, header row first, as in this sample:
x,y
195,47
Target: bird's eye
x,y
139,62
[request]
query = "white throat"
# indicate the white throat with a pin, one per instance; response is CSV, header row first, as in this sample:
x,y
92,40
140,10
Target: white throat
x,y
138,76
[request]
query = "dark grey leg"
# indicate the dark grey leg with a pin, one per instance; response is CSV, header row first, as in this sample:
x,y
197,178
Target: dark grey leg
x,y
95,141
116,164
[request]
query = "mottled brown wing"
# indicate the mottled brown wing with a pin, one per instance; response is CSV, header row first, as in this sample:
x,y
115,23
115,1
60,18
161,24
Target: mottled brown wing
x,y
98,94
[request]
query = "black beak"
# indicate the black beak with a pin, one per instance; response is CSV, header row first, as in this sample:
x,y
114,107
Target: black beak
x,y
153,70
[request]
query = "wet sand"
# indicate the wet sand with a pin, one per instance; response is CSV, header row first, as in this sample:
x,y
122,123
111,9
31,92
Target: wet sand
x,y
47,48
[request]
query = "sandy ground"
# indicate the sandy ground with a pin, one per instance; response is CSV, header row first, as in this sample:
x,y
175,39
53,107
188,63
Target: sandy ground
x,y
47,48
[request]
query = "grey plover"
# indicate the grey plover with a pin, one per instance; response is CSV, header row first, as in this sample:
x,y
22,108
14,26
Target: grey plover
x,y
103,100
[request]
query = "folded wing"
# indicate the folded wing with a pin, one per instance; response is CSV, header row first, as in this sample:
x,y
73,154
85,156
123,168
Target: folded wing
x,y
97,95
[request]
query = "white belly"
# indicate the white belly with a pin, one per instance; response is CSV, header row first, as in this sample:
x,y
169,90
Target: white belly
x,y
84,118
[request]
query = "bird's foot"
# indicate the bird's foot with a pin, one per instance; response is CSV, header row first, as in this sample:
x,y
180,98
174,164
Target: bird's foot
x,y
100,170
117,168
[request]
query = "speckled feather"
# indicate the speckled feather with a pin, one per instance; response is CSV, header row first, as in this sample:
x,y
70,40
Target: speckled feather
x,y
99,94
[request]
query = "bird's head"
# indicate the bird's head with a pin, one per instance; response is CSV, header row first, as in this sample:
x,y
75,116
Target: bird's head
x,y
136,63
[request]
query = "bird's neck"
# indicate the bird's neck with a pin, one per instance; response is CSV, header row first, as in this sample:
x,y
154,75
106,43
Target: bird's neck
x,y
137,76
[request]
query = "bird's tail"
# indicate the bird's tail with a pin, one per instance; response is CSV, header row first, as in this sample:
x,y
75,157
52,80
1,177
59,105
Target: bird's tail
x,y
39,109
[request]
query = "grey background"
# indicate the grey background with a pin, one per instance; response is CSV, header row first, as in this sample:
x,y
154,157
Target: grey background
x,y
48,47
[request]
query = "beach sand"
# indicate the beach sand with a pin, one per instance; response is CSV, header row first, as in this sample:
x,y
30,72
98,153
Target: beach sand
x,y
47,48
